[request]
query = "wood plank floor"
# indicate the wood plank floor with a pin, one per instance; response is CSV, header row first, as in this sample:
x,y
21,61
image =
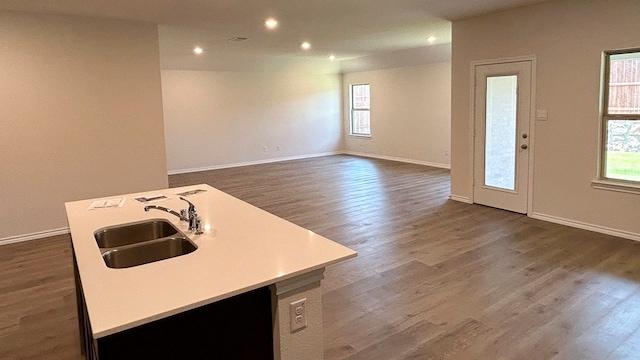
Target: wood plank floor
x,y
434,279
37,301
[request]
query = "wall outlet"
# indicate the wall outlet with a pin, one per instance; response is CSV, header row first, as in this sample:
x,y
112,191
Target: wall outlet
x,y
298,314
278,148
265,148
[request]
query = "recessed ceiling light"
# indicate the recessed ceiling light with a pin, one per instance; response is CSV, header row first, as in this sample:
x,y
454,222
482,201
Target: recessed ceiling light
x,y
432,39
271,23
197,50
305,46
332,57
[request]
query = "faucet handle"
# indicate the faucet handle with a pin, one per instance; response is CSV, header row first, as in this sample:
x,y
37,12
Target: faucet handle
x,y
198,227
192,208
184,215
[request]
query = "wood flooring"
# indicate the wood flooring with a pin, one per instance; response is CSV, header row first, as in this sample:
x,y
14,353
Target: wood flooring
x,y
434,278
38,316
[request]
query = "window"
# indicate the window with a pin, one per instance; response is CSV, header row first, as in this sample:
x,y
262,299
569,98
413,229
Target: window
x,y
360,110
621,117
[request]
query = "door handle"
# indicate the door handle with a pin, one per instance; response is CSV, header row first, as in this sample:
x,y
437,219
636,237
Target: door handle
x,y
524,146
524,136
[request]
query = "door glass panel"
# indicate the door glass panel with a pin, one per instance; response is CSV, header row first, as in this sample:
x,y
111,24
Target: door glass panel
x,y
500,132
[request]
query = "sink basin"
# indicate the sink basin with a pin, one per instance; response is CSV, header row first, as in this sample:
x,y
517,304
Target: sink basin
x,y
144,242
148,252
133,233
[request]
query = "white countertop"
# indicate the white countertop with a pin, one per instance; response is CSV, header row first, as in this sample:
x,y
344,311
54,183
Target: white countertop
x,y
243,248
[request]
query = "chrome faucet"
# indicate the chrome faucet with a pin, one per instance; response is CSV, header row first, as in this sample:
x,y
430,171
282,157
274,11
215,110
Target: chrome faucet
x,y
191,212
192,216
189,215
173,212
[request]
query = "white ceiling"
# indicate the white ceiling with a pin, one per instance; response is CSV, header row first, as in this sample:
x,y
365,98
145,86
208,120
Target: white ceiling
x,y
350,29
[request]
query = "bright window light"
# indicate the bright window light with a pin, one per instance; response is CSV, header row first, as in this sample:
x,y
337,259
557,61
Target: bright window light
x,y
360,109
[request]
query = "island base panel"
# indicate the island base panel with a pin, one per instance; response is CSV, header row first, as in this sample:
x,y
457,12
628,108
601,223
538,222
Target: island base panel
x,y
239,327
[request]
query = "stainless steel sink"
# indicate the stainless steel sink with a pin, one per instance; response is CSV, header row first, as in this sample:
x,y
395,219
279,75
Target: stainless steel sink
x,y
139,243
127,234
148,252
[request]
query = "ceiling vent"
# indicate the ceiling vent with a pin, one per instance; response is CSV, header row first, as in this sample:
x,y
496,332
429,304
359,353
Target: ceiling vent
x,y
238,39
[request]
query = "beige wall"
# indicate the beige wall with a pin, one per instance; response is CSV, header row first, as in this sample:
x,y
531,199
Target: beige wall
x,y
410,113
567,37
214,119
81,115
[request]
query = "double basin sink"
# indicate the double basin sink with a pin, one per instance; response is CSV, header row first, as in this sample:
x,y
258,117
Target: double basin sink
x,y
139,243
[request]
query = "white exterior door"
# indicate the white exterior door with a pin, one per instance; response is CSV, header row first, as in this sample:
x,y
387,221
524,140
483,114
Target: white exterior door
x,y
501,135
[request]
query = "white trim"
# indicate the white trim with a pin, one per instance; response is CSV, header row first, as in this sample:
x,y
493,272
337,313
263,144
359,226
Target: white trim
x,y
361,136
460,198
601,106
33,236
618,186
286,286
255,162
472,131
503,60
586,226
532,131
393,158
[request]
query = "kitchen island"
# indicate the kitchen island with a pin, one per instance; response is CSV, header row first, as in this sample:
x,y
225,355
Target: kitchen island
x,y
243,251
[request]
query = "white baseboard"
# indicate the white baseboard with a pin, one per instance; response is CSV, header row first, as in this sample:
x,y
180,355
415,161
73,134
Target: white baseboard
x,y
393,158
256,162
459,198
567,222
33,236
586,226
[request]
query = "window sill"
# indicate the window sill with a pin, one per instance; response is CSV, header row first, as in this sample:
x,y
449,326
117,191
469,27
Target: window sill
x,y
619,186
360,136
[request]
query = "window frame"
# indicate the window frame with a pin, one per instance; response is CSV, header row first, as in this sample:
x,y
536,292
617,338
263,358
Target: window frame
x,y
603,182
353,109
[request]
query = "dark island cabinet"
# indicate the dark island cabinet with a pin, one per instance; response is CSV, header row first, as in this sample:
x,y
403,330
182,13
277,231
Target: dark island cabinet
x,y
240,327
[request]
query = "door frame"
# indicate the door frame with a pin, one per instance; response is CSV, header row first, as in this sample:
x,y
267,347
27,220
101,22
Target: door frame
x,y
532,122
